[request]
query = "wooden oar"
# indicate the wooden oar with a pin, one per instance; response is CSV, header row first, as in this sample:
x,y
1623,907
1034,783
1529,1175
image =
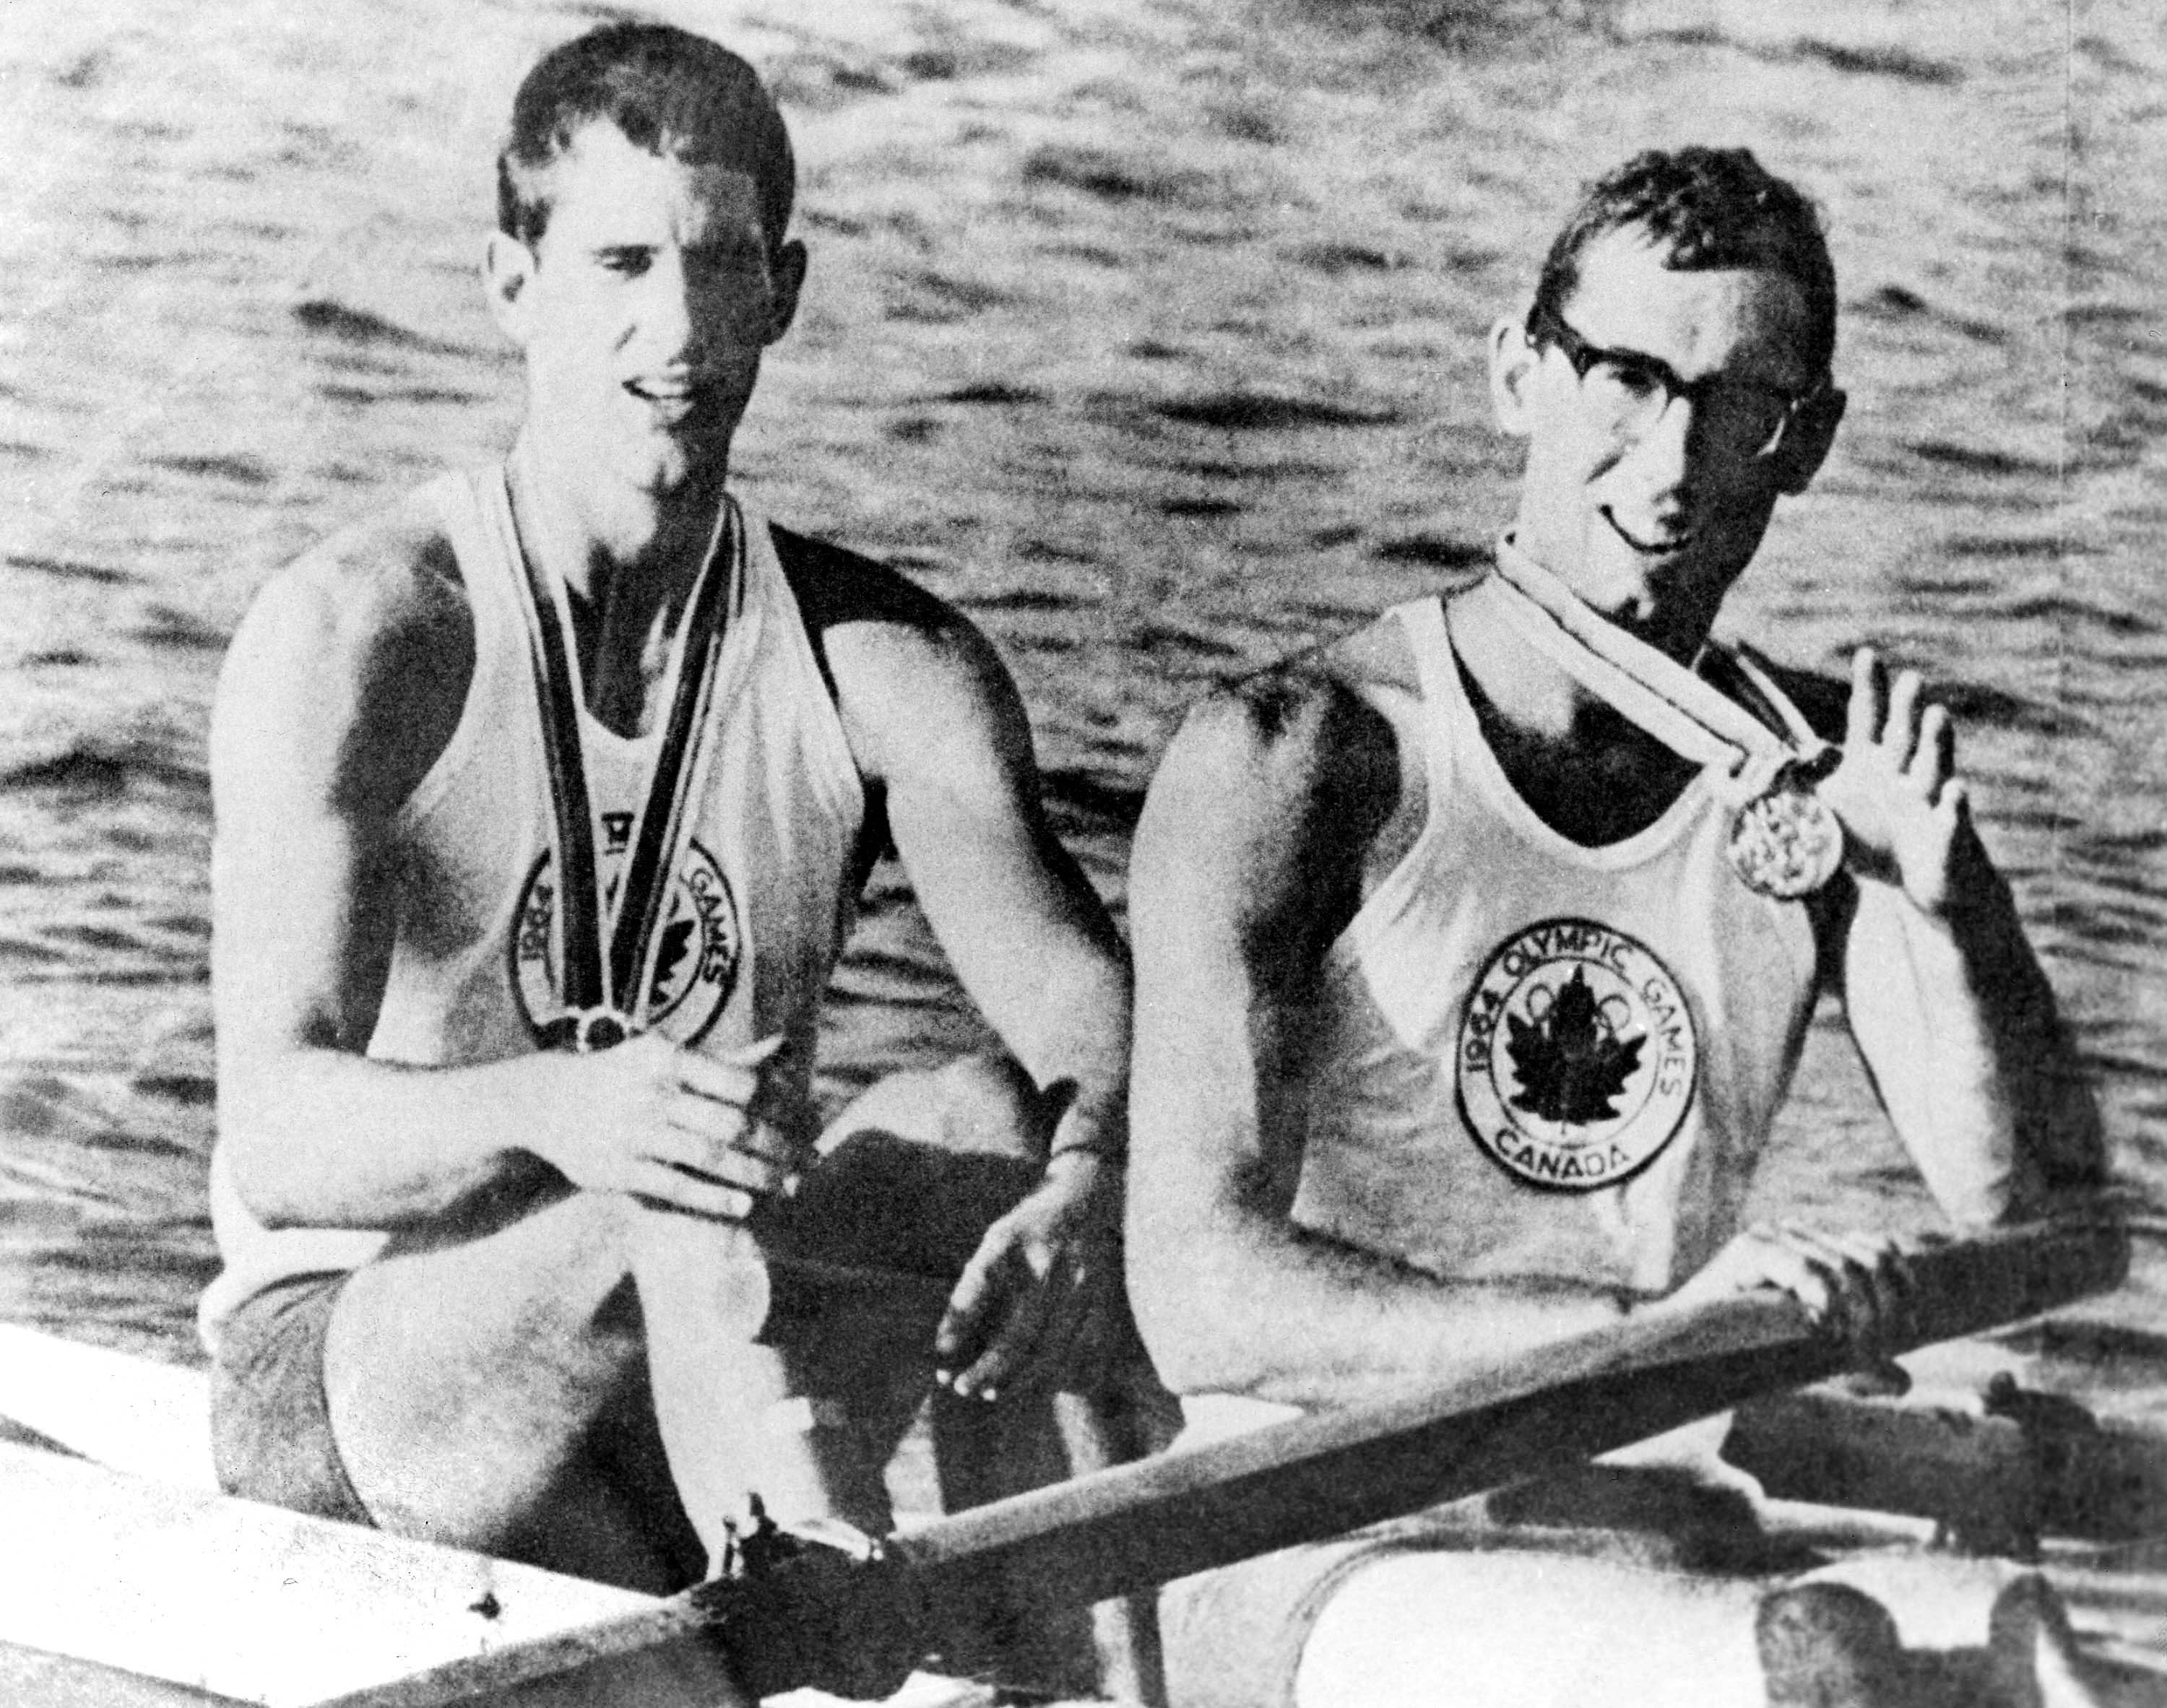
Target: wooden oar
x,y
1303,1480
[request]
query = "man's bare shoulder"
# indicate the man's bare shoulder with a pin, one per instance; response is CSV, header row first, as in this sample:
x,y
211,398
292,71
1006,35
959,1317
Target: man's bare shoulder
x,y
354,659
836,587
1311,719
870,611
386,585
906,668
1259,819
1374,658
1293,766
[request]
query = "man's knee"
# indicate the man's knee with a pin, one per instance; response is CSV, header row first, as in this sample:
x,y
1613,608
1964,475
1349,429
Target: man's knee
x,y
564,1260
881,1202
540,1316
980,1104
914,1171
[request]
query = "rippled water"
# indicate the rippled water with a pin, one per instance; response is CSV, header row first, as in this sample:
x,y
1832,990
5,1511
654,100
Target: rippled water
x,y
1147,330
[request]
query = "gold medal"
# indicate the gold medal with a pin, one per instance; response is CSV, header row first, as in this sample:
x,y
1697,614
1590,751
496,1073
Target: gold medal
x,y
1785,842
598,1028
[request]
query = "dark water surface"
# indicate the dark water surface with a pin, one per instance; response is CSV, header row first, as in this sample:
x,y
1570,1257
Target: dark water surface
x,y
1149,332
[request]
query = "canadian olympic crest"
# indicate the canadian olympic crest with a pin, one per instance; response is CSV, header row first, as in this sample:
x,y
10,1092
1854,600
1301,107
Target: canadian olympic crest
x,y
696,961
1576,1056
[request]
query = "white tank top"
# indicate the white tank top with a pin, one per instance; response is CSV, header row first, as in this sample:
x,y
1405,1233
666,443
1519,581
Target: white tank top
x,y
1534,1058
761,899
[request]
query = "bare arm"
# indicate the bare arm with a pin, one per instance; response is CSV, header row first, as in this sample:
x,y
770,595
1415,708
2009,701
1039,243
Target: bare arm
x,y
1950,1011
932,715
935,717
344,683
1246,864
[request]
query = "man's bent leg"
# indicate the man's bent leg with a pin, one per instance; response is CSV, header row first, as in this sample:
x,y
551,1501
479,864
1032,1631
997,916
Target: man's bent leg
x,y
492,1394
741,1412
847,1290
787,1360
933,1160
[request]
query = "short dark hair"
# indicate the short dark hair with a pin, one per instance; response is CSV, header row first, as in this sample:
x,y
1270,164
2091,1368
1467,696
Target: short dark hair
x,y
670,92
1705,208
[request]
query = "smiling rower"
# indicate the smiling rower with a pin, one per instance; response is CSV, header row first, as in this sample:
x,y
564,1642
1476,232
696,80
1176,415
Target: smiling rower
x,y
543,803
1475,952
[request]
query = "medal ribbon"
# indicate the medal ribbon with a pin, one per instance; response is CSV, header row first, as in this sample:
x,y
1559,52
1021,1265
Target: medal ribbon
x,y
607,951
1677,707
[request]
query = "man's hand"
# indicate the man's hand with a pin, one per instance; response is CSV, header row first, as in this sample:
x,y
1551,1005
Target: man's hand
x,y
1906,813
671,1126
1034,1300
1856,1285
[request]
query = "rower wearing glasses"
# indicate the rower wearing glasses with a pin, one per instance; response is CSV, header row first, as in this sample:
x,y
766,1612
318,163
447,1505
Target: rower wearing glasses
x,y
1475,952
1635,390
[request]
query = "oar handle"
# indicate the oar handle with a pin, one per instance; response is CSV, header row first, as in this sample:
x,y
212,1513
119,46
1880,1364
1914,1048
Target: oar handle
x,y
1331,1471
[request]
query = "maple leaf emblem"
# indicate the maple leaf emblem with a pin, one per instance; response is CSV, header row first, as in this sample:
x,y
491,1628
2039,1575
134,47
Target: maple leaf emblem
x,y
1571,1066
675,940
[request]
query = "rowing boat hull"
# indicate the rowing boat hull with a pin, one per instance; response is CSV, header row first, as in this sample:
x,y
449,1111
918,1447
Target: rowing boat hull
x,y
124,1594
248,1602
254,1605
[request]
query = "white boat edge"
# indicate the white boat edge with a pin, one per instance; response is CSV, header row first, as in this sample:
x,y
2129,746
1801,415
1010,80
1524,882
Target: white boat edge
x,y
129,1557
130,1415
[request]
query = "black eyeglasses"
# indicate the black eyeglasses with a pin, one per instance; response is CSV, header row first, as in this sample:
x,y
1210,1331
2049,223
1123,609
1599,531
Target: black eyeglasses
x,y
1631,391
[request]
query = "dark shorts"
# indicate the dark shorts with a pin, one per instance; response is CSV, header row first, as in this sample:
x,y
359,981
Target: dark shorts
x,y
271,1423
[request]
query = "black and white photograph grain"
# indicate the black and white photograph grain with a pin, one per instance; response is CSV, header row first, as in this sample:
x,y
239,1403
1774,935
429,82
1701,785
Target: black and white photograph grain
x,y
1084,853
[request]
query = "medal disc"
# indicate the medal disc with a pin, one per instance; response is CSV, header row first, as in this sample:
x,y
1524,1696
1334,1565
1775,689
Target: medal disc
x,y
1787,842
599,1028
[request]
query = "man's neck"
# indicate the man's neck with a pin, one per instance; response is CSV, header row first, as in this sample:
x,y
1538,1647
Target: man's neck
x,y
628,560
1589,773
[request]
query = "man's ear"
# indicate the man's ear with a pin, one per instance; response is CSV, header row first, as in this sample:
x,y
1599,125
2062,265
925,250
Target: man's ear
x,y
1514,359
790,263
507,270
1805,447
